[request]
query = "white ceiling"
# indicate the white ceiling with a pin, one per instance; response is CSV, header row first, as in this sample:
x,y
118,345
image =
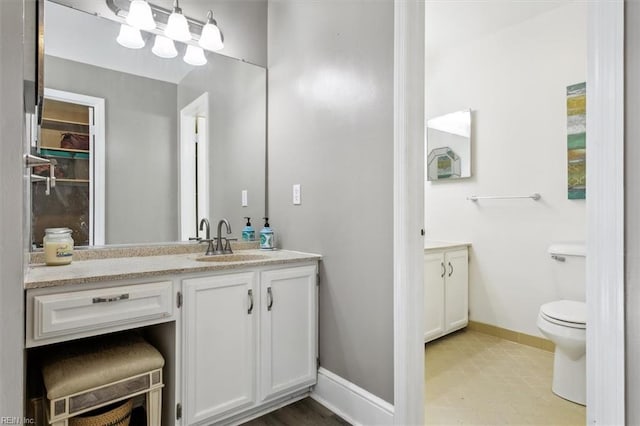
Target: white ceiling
x,y
450,23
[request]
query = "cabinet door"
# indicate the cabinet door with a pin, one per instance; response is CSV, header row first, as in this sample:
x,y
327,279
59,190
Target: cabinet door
x,y
219,346
456,289
434,270
288,334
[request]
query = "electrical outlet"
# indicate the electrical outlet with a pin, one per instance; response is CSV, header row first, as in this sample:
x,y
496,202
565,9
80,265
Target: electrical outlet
x,y
296,194
245,202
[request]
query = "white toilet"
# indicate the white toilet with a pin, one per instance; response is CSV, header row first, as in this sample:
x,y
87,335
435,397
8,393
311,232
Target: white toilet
x,y
564,322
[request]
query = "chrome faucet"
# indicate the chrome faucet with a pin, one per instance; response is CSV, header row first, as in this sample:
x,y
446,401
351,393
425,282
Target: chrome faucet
x,y
205,222
227,247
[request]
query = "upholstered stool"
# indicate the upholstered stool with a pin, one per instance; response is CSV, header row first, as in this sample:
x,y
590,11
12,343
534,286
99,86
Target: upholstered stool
x,y
98,372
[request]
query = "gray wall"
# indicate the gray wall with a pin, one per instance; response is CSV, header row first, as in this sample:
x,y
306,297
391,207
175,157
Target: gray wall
x,y
237,136
331,130
141,202
11,210
632,209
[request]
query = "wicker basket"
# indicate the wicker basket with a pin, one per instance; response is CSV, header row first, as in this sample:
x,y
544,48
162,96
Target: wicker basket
x,y
119,415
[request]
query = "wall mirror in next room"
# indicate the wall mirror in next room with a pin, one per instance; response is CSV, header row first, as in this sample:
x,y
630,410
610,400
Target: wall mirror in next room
x,y
449,146
127,188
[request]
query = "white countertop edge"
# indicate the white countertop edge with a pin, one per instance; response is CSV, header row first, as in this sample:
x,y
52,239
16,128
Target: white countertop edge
x,y
440,245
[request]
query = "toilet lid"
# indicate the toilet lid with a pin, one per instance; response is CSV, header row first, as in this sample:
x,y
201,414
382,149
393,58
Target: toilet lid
x,y
566,311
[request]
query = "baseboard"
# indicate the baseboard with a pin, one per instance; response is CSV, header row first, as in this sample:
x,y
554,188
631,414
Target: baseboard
x,y
514,336
351,402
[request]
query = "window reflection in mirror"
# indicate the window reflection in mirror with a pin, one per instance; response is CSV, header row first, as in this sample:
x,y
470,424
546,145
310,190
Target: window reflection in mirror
x,y
448,153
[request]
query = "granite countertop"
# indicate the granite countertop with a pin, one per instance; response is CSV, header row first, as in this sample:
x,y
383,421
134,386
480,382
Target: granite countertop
x,y
439,245
96,270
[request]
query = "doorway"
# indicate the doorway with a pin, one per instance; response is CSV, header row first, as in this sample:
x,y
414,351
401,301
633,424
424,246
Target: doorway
x,y
605,230
194,166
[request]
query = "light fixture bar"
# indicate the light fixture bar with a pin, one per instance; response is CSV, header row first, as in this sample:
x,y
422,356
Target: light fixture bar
x,y
161,15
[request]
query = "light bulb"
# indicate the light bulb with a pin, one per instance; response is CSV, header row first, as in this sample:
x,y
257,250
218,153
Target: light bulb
x,y
211,39
177,26
194,56
140,15
164,47
130,37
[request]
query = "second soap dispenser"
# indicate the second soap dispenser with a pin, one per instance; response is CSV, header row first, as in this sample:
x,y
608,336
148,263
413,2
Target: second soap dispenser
x,y
248,233
266,236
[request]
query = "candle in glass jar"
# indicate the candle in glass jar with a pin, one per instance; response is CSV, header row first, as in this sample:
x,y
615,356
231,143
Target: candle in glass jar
x,y
58,246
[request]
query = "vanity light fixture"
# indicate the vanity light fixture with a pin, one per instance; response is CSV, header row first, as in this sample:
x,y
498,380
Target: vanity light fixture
x,y
177,26
167,25
140,15
164,47
194,56
210,38
130,37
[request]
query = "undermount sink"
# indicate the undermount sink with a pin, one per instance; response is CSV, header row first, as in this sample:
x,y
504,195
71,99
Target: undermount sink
x,y
234,257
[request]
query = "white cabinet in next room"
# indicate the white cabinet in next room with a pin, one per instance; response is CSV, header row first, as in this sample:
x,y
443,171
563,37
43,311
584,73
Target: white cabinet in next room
x,y
446,293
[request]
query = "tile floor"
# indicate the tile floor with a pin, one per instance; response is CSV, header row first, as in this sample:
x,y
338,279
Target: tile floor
x,y
477,379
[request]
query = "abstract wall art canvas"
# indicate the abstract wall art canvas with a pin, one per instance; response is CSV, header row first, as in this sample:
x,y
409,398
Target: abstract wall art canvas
x,y
576,140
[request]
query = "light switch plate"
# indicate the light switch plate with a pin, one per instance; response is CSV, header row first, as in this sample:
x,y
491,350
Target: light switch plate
x,y
245,202
296,194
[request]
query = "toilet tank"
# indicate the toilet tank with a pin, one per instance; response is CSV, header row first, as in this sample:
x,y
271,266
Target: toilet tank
x,y
569,270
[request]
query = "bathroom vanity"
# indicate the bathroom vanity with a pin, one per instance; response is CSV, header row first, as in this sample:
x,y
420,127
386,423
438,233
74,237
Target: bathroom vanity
x,y
238,332
446,288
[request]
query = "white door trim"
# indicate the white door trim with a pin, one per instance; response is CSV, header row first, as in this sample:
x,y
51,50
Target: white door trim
x,y
196,111
605,214
408,194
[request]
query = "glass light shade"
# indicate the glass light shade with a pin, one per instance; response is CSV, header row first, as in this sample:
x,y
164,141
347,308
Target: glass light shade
x,y
177,27
140,15
130,37
194,56
210,38
164,47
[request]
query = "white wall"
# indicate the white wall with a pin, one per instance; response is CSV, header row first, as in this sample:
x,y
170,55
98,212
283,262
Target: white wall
x,y
515,82
331,130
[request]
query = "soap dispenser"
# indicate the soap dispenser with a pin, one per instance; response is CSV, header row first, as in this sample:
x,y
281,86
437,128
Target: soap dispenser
x,y
248,233
266,236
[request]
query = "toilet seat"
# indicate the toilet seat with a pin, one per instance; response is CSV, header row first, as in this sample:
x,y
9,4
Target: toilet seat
x,y
567,313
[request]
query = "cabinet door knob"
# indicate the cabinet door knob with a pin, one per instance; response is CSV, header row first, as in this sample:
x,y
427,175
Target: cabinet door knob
x,y
250,293
443,269
450,269
270,298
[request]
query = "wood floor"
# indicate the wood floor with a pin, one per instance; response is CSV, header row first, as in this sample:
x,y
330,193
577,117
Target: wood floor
x,y
305,412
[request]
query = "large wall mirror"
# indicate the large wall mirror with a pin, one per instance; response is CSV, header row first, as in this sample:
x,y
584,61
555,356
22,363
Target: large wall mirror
x,y
126,129
449,146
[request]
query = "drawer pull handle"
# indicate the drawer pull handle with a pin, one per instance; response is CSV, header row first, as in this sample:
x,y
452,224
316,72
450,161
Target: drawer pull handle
x,y
443,269
450,269
111,298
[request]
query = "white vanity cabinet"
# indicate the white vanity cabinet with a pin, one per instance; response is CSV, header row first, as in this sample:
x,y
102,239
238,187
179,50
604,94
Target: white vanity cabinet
x,y
288,330
219,350
249,339
446,289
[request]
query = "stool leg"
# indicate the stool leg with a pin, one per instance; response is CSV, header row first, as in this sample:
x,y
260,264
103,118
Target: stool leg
x,y
154,407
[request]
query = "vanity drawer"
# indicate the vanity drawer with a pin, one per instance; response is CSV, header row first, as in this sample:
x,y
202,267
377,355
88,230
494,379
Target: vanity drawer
x,y
74,312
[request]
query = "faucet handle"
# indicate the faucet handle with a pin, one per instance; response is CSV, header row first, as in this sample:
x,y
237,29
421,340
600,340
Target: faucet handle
x,y
198,239
227,246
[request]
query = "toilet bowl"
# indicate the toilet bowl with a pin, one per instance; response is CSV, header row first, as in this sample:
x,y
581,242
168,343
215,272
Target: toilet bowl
x,y
564,323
